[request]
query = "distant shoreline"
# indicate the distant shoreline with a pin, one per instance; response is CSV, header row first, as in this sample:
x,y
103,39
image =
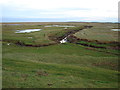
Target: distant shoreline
x,y
51,22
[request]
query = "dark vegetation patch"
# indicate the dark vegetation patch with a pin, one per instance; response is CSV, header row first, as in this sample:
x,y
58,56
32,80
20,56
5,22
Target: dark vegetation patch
x,y
109,65
94,43
20,43
116,52
41,73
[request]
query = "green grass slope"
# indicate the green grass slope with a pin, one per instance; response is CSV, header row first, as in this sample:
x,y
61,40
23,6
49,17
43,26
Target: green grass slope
x,y
58,66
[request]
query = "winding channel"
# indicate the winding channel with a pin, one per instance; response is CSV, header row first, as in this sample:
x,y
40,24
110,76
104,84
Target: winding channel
x,y
61,40
58,40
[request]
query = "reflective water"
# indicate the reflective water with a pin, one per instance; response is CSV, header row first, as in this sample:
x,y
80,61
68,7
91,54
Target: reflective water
x,y
115,29
64,40
27,30
58,26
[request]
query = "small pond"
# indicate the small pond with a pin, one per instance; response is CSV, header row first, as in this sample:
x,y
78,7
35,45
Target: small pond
x,y
27,30
115,29
58,26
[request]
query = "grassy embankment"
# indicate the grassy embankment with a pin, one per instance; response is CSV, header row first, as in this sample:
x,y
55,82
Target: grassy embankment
x,y
100,36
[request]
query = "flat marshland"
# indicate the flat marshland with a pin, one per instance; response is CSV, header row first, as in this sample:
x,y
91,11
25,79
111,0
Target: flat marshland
x,y
88,59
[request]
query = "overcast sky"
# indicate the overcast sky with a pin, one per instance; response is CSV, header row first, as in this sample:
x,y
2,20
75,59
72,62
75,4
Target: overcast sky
x,y
59,10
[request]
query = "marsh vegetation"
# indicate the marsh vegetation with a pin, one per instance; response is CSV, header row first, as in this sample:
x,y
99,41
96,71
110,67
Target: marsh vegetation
x,y
89,58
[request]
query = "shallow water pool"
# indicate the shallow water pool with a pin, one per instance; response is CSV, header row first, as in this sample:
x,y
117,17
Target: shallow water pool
x,y
115,29
58,26
27,30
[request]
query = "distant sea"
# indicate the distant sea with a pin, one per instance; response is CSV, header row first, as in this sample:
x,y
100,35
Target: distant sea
x,y
113,20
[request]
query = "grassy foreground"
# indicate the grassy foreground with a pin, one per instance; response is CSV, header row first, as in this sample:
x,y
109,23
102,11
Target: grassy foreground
x,y
57,66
